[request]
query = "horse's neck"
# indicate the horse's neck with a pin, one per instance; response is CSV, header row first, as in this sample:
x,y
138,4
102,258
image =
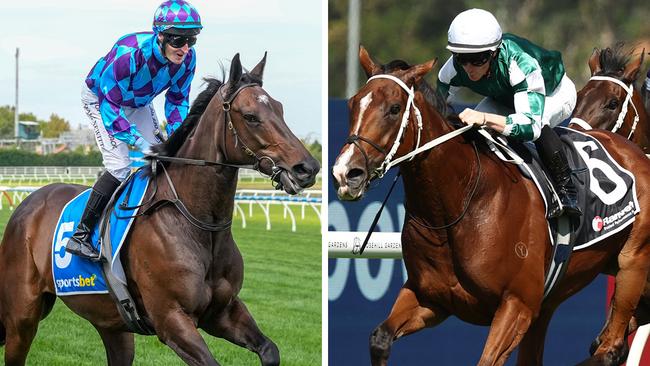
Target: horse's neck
x,y
207,191
436,182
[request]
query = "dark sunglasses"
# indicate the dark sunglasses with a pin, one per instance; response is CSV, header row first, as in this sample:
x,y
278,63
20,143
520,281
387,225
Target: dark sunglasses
x,y
475,59
177,41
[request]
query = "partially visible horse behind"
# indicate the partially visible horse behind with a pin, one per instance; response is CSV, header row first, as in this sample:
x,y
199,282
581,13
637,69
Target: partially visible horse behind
x,y
610,100
181,277
475,241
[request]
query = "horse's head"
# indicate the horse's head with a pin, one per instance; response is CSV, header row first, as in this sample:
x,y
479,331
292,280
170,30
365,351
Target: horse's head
x,y
606,99
257,131
376,118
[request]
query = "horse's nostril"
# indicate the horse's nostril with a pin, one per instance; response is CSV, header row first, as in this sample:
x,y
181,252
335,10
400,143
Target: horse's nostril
x,y
355,176
306,169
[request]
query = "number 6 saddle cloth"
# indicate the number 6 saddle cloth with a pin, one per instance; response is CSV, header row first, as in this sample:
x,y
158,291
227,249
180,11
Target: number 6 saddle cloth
x,y
606,191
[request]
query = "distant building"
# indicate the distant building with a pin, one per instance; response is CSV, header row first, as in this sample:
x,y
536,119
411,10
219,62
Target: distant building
x,y
28,130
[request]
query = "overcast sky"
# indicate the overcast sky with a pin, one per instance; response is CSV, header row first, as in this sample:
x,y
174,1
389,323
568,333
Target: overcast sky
x,y
60,41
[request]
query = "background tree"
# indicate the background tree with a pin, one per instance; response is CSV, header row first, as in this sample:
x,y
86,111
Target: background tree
x,y
416,30
54,127
7,128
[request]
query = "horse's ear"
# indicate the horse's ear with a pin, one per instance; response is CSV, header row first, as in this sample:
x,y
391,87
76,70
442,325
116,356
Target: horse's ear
x,y
368,65
417,72
258,70
594,62
234,76
632,68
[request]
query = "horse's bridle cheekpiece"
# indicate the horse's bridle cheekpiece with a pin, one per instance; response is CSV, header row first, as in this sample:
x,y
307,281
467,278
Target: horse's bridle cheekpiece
x,y
629,90
227,104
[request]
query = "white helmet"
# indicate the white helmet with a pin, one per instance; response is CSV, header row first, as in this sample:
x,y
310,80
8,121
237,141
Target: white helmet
x,y
474,31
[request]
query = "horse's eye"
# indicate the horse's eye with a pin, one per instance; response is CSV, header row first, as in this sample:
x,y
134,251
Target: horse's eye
x,y
613,104
395,108
251,118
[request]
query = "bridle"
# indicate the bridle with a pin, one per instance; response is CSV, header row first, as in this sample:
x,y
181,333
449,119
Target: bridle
x,y
410,104
226,105
628,100
389,162
156,159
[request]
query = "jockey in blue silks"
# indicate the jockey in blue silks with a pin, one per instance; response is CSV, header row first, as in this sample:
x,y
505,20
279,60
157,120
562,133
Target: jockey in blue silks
x,y
117,96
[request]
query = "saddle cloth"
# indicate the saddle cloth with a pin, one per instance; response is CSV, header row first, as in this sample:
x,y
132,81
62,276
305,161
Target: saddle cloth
x,y
74,275
606,191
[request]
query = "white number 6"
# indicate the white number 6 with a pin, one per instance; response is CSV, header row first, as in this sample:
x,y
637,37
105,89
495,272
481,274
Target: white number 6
x,y
608,198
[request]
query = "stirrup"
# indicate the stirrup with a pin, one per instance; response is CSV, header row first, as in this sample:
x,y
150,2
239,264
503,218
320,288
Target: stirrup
x,y
83,250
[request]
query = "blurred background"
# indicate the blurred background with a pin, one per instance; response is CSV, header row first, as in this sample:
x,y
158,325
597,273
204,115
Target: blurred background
x,y
362,291
416,31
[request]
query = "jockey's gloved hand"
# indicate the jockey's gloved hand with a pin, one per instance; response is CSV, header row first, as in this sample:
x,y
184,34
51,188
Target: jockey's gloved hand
x,y
143,145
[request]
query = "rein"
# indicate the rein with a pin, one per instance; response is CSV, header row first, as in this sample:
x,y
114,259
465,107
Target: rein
x,y
176,201
628,100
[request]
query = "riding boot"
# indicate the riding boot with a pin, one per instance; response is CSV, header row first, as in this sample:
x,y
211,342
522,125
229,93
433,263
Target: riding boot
x,y
80,242
553,157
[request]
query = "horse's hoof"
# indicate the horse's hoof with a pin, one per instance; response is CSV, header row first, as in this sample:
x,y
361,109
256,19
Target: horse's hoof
x,y
380,343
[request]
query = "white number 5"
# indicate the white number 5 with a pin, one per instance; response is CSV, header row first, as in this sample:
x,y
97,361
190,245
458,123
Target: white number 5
x,y
62,261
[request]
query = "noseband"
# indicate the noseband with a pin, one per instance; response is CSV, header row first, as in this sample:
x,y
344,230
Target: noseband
x,y
628,100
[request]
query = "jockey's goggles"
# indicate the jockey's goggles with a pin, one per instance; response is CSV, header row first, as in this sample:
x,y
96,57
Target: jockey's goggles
x,y
474,59
178,41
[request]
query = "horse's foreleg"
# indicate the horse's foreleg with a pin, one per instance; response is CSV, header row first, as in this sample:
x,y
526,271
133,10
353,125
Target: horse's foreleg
x,y
237,325
531,348
407,316
510,323
630,282
177,330
120,347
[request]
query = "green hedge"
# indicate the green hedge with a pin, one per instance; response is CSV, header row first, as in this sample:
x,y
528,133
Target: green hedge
x,y
13,157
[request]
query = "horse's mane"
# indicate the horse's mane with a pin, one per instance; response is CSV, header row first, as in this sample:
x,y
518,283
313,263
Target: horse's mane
x,y
614,60
430,94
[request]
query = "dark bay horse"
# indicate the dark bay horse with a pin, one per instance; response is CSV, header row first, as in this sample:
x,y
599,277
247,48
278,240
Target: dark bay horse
x,y
605,102
181,277
474,241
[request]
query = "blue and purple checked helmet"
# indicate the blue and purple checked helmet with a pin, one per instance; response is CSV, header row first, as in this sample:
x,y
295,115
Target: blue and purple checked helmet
x,y
178,15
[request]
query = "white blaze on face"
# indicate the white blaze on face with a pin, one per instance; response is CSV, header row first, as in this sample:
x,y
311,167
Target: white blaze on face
x,y
341,166
263,99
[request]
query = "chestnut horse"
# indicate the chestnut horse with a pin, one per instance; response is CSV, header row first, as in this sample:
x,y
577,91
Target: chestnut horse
x,y
605,102
181,277
475,241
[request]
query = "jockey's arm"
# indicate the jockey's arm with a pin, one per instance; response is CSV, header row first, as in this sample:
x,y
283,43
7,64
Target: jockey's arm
x,y
114,89
177,98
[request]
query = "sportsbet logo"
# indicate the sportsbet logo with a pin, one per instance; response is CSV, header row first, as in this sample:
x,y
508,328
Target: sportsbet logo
x,y
79,281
